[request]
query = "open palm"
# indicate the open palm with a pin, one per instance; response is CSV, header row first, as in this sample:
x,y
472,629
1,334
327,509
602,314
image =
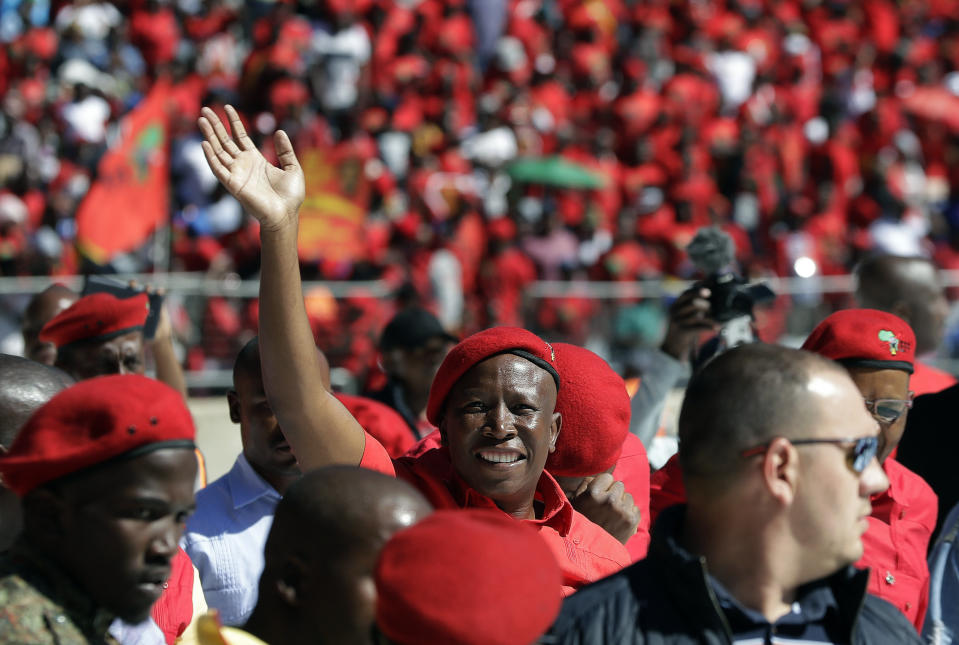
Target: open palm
x,y
272,195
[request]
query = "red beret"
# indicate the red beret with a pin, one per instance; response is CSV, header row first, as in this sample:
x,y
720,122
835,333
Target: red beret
x,y
91,422
865,338
595,408
444,581
477,348
99,316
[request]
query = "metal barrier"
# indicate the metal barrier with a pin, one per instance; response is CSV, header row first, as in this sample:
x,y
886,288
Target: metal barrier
x,y
214,317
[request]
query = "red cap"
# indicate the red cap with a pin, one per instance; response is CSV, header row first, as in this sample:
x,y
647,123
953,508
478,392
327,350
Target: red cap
x,y
595,408
865,338
477,348
93,421
443,581
99,316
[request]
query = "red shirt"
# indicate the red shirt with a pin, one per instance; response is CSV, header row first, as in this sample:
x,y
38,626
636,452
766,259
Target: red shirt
x,y
173,612
632,469
894,545
897,540
927,379
584,551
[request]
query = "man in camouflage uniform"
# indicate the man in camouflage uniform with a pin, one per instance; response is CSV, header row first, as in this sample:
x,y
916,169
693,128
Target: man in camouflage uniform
x,y
105,472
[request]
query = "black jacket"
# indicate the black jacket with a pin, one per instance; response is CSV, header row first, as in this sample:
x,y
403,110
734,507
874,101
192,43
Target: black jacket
x,y
666,599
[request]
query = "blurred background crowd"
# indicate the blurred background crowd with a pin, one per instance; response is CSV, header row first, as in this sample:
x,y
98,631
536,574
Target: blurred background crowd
x,y
488,159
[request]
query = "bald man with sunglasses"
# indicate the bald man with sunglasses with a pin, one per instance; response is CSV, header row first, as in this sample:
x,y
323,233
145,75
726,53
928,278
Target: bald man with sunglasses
x,y
877,349
779,460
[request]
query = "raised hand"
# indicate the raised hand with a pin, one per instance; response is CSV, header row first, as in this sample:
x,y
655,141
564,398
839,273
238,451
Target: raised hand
x,y
272,195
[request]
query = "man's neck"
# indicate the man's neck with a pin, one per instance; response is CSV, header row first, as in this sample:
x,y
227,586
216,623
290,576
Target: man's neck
x,y
278,481
743,564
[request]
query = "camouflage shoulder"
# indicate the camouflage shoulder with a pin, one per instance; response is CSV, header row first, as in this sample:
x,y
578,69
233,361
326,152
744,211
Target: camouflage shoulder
x,y
24,613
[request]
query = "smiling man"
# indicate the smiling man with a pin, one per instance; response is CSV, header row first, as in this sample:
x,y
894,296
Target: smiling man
x,y
493,397
105,471
225,536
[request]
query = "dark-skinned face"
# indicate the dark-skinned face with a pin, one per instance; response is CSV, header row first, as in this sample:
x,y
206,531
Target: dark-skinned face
x,y
120,526
415,367
264,445
500,427
876,384
120,355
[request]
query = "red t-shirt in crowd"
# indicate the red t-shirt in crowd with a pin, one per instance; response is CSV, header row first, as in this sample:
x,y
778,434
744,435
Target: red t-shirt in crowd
x,y
894,546
584,551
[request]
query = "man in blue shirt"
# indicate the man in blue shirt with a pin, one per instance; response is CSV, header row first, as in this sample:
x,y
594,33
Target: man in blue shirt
x,y
226,535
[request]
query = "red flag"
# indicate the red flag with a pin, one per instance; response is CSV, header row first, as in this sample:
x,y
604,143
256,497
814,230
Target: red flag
x,y
334,212
129,198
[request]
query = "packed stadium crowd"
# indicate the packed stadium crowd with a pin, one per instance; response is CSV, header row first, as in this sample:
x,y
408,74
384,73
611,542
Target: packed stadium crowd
x,y
812,132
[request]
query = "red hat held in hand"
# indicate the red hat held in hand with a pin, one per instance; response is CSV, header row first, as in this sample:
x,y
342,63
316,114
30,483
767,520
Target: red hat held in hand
x,y
865,338
98,316
447,580
102,418
594,405
477,348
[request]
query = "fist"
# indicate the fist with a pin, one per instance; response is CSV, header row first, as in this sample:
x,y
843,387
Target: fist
x,y
605,502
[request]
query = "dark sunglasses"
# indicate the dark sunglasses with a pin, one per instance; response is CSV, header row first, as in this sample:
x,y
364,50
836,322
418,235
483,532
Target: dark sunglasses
x,y
863,450
888,410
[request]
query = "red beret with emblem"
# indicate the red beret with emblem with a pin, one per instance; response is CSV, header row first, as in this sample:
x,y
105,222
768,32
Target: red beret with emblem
x,y
865,338
595,408
94,421
444,580
98,316
477,348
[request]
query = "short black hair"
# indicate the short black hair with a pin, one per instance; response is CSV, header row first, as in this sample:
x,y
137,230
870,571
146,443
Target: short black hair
x,y
743,398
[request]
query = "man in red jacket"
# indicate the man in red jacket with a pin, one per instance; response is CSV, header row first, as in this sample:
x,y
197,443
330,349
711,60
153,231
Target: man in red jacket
x,y
878,350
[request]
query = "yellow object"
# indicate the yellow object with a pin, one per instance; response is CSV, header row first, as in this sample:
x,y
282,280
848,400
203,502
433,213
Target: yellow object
x,y
210,632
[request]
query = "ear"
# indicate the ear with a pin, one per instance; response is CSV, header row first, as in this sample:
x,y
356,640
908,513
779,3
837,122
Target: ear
x,y
233,401
554,430
290,581
781,470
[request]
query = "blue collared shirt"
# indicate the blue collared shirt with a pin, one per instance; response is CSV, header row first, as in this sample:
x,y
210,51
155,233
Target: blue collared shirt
x,y
226,536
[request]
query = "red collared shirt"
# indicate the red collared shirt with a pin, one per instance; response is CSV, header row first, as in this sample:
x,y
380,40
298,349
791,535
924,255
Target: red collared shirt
x,y
632,468
896,542
894,545
584,551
